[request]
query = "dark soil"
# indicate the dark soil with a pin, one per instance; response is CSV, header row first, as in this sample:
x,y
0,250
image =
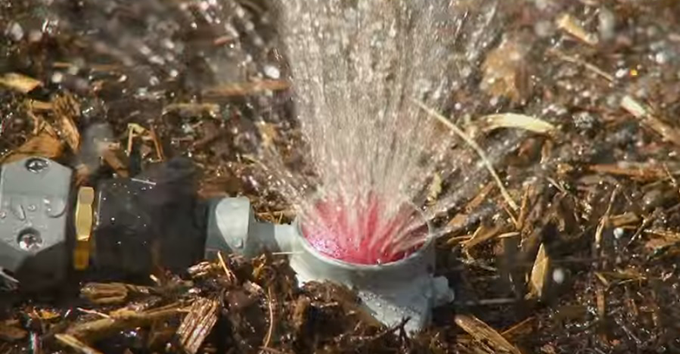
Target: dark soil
x,y
587,265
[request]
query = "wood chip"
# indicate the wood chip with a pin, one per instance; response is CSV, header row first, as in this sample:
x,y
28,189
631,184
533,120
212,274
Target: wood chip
x,y
668,133
10,332
268,133
601,302
105,293
19,82
435,189
539,273
39,106
160,154
112,159
457,222
198,324
505,71
569,24
76,344
301,312
482,332
192,109
637,171
67,110
482,236
514,120
626,218
45,145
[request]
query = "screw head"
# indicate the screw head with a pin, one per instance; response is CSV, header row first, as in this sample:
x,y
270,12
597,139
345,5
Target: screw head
x,y
30,240
36,164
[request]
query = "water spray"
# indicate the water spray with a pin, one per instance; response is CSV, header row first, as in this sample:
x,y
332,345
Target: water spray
x,y
355,68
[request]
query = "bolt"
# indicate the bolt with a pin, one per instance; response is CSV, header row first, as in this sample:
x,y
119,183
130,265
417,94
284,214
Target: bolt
x,y
36,165
30,240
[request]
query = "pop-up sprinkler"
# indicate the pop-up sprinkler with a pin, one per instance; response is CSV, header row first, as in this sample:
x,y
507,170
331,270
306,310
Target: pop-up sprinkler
x,y
400,286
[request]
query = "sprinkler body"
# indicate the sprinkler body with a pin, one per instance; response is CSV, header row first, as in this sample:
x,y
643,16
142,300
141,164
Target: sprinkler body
x,y
125,226
391,292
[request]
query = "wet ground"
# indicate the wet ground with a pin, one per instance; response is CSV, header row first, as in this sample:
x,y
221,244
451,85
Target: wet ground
x,y
586,264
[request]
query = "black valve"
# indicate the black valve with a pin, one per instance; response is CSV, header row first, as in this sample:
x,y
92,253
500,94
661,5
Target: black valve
x,y
153,219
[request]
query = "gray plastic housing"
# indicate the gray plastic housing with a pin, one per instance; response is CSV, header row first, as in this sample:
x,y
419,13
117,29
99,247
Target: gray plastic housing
x,y
34,199
390,292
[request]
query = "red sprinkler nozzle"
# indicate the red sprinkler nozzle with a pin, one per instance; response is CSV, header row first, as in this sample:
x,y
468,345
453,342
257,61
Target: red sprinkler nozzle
x,y
362,233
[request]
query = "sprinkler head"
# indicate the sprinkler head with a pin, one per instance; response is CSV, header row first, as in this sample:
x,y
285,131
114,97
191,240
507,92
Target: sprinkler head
x,y
368,231
404,287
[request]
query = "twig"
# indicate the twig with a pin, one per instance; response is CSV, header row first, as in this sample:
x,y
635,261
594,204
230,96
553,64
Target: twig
x,y
270,330
642,113
157,145
93,312
93,330
585,64
474,146
604,222
76,344
230,275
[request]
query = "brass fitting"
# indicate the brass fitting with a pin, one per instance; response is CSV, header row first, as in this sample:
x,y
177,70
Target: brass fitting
x,y
83,225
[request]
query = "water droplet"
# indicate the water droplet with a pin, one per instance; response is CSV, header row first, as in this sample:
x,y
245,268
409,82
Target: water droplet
x,y
238,243
18,210
57,77
618,232
16,32
54,207
272,71
31,207
558,276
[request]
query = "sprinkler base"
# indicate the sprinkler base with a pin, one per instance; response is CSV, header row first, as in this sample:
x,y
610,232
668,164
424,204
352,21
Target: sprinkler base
x,y
390,292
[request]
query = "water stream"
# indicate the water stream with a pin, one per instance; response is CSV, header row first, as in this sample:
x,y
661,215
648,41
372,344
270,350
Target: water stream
x,y
357,68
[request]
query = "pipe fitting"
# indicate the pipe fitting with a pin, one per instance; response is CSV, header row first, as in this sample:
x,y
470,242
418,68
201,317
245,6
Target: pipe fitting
x,y
391,292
